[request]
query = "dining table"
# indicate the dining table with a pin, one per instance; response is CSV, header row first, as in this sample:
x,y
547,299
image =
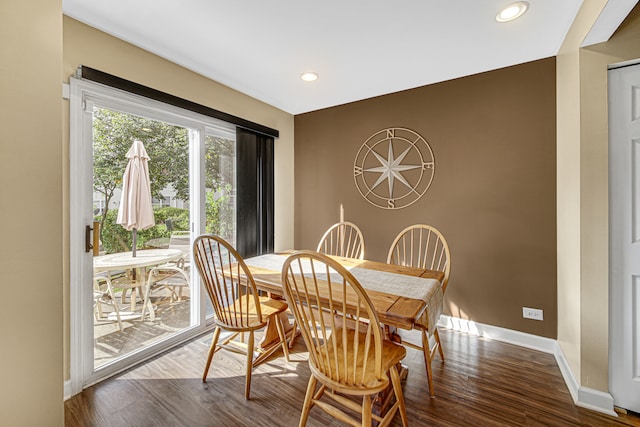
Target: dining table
x,y
125,261
403,297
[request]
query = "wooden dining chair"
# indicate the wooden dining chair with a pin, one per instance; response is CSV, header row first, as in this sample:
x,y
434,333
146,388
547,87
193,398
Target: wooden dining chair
x,y
347,353
343,239
237,305
423,246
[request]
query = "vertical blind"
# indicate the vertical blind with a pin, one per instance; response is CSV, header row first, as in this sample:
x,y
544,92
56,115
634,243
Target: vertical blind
x,y
254,193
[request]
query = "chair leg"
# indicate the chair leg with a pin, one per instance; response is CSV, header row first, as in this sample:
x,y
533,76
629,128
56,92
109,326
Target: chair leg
x,y
293,334
426,351
133,294
308,401
397,388
147,301
247,385
283,337
117,310
366,410
212,349
437,336
115,305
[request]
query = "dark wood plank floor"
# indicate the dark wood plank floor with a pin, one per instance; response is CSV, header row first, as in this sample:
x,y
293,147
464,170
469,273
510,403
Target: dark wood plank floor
x,y
482,383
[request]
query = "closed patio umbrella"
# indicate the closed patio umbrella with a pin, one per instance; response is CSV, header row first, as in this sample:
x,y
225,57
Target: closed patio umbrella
x,y
135,211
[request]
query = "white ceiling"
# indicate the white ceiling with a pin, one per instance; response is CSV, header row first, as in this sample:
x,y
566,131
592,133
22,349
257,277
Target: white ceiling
x,y
360,48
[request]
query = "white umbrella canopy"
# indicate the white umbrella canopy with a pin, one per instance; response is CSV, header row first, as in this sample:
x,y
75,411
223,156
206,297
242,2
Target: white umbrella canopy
x,y
136,211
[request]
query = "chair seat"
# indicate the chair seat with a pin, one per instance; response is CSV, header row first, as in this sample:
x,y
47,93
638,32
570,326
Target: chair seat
x,y
169,276
250,319
270,306
392,354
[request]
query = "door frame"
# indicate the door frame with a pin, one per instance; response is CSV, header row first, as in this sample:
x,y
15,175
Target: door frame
x,y
618,203
83,94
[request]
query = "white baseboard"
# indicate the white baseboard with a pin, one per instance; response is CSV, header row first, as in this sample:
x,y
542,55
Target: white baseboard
x,y
534,342
67,389
584,397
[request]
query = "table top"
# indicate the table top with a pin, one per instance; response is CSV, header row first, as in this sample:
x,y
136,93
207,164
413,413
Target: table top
x,y
406,311
143,258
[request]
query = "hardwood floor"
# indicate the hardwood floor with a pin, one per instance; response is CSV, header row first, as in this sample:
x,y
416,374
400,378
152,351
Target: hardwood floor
x,y
482,383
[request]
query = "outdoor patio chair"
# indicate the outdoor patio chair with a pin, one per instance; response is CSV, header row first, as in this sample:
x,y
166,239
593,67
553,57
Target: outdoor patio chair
x,y
168,277
103,295
173,276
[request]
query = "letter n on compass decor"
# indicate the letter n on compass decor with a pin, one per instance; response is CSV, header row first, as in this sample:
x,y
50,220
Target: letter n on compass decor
x,y
394,168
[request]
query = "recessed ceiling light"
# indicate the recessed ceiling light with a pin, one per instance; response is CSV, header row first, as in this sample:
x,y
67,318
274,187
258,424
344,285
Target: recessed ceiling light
x,y
309,77
513,11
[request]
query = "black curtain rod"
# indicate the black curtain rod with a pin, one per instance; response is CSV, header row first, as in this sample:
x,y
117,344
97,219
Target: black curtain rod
x,y
138,89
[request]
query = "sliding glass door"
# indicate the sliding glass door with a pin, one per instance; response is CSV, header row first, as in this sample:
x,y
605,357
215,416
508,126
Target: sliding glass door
x,y
120,280
134,292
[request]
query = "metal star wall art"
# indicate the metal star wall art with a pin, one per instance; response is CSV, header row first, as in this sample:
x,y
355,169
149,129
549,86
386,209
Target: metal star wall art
x,y
408,176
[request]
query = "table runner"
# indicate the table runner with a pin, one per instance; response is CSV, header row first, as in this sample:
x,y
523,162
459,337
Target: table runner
x,y
425,289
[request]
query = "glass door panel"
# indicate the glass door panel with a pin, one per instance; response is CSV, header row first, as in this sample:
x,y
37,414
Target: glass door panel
x,y
220,189
128,314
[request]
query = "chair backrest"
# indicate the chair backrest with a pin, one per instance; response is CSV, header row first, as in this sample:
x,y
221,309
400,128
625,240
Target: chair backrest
x,y
343,239
422,246
228,282
180,240
324,299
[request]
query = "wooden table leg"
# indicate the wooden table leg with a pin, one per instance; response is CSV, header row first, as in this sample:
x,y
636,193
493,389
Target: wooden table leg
x,y
383,400
391,334
271,340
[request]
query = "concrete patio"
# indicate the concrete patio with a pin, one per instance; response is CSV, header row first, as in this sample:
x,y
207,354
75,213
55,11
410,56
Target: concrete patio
x,y
110,343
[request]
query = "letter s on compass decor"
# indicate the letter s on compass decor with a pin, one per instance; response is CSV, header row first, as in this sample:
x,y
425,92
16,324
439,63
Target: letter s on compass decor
x,y
394,168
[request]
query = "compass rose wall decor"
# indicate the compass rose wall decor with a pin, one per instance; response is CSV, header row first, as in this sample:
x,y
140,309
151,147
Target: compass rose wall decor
x,y
394,168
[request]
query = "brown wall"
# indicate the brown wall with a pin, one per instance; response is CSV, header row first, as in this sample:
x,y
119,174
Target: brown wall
x,y
493,195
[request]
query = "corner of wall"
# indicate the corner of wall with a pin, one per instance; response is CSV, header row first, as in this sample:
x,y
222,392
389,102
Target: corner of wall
x,y
584,397
568,206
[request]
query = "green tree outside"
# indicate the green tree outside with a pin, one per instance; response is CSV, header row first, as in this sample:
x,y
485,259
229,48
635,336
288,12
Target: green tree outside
x,y
168,149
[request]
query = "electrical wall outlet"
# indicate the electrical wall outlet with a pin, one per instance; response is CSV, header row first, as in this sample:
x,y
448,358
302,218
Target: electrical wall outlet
x,y
532,313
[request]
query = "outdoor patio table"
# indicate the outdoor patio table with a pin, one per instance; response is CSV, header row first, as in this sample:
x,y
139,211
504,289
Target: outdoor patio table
x,y
142,260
